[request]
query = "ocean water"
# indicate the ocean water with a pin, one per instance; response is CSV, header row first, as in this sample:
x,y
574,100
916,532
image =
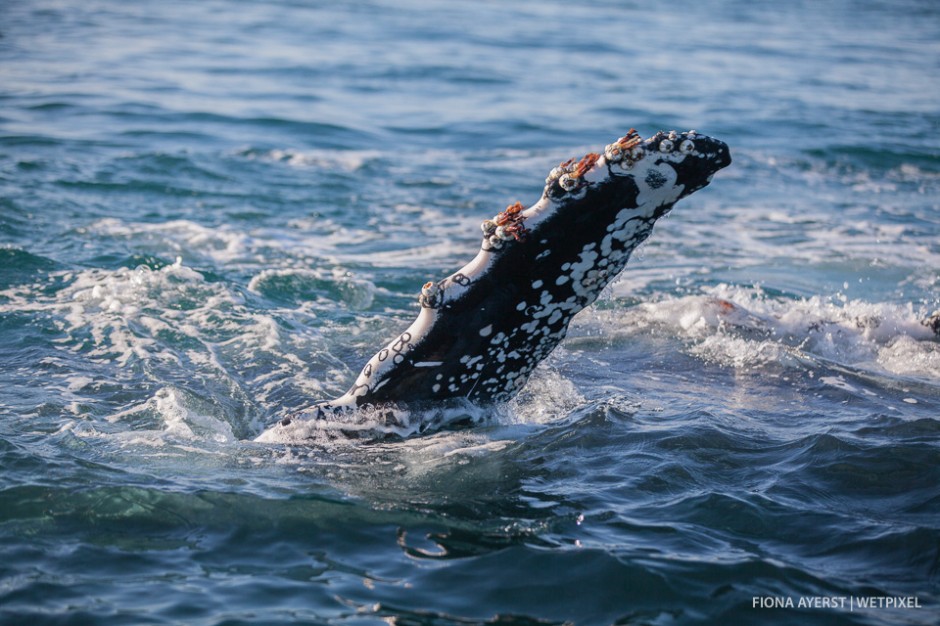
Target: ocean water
x,y
212,213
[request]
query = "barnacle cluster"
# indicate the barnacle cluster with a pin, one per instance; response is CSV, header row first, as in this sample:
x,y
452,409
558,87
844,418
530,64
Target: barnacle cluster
x,y
667,142
562,169
627,150
569,174
507,225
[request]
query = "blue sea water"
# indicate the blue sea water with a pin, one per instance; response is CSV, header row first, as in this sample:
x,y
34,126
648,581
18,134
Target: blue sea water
x,y
211,213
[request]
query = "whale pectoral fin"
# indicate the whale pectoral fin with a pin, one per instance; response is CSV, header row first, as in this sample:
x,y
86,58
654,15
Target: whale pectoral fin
x,y
482,330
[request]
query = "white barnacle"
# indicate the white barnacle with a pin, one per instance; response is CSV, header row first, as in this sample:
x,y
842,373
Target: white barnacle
x,y
567,182
430,295
488,227
637,153
686,146
613,153
503,234
627,164
495,241
666,145
673,135
555,174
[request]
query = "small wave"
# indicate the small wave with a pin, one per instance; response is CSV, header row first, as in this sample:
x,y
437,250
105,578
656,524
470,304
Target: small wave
x,y
745,328
178,238
296,285
171,416
20,266
547,398
330,160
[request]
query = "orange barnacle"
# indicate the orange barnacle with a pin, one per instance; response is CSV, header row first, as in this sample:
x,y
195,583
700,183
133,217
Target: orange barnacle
x,y
586,163
509,215
510,223
631,139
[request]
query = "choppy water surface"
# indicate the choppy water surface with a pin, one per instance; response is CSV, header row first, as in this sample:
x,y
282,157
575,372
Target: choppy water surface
x,y
212,213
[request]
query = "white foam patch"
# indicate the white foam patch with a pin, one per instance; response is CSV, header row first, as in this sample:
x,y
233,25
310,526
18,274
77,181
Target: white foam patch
x,y
743,328
150,325
77,383
116,315
221,244
908,357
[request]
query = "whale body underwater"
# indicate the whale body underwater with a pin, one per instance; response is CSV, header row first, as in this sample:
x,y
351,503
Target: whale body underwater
x,y
482,330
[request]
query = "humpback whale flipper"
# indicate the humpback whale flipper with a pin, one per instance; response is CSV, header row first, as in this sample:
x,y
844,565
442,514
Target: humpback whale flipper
x,y
482,330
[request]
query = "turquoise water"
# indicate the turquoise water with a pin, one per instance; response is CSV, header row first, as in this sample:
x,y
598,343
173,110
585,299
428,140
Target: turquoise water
x,y
212,213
